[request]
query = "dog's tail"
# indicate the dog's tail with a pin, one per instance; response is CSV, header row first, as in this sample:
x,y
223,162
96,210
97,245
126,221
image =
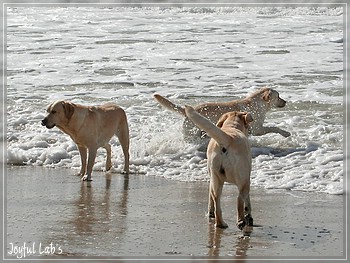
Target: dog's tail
x,y
169,105
210,128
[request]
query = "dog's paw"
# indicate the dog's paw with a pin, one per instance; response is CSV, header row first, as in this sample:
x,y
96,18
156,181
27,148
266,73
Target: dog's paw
x,y
211,214
222,225
248,220
241,224
125,172
86,178
285,133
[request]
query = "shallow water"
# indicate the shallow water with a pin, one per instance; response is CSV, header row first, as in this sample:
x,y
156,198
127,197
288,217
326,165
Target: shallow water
x,y
92,55
147,216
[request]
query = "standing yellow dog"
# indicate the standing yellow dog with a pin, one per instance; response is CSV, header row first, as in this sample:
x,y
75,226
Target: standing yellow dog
x,y
90,127
229,160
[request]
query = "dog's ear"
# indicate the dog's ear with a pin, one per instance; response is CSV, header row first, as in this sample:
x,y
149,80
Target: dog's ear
x,y
248,118
68,109
222,120
49,108
267,95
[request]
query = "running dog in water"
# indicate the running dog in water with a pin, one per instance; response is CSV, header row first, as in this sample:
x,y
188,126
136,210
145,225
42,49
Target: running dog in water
x,y
229,160
90,127
257,104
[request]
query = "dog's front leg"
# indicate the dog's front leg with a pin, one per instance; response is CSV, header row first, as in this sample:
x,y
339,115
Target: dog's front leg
x,y
265,130
90,164
83,156
278,130
283,132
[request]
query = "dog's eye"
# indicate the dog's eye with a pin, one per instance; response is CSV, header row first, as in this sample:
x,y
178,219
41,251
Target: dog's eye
x,y
53,112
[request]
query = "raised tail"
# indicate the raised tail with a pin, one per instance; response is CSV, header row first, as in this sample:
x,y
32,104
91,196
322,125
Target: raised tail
x,y
169,105
210,128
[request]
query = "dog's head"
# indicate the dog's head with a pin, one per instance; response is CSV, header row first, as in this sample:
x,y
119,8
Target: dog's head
x,y
59,112
272,98
239,120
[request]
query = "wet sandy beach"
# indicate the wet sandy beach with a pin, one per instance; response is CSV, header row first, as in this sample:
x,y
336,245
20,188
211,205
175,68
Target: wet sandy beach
x,y
51,214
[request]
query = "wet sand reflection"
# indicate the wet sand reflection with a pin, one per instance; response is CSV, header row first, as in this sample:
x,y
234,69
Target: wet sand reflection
x,y
99,216
239,247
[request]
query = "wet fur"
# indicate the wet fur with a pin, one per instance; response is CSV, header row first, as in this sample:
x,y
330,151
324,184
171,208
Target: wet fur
x,y
257,103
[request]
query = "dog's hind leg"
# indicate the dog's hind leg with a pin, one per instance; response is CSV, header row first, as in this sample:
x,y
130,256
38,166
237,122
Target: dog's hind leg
x,y
240,211
211,209
248,211
107,146
215,192
244,209
123,136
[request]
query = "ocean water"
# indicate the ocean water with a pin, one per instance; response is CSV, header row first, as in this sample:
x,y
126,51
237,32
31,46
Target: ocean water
x,y
125,54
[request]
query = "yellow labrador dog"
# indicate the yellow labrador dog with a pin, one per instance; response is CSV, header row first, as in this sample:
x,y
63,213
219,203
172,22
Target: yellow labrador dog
x,y
90,127
229,160
257,103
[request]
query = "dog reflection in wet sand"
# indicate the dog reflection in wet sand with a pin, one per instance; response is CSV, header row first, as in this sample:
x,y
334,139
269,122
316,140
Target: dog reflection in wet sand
x,y
229,160
90,127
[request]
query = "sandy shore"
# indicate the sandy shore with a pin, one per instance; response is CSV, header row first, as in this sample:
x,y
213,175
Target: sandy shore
x,y
51,213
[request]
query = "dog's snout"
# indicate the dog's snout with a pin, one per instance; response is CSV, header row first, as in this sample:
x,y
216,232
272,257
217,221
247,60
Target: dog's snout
x,y
44,122
47,123
282,103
